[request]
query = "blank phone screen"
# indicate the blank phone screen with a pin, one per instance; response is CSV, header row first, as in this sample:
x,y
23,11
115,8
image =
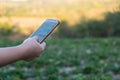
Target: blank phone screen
x,y
45,29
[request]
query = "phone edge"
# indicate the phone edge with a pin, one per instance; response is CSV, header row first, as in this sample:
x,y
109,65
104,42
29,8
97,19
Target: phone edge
x,y
50,31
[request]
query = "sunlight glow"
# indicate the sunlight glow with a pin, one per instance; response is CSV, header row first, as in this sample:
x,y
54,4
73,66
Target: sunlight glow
x,y
15,0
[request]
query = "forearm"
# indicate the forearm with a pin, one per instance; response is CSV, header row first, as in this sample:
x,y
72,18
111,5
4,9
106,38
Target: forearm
x,y
10,54
28,50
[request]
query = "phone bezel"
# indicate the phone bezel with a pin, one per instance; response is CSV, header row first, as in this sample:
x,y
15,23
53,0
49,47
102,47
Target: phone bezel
x,y
58,22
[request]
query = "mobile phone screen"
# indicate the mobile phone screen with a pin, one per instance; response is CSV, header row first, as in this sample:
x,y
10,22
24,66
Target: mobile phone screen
x,y
45,29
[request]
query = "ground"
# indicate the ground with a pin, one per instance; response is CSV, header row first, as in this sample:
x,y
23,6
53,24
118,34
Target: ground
x,y
69,59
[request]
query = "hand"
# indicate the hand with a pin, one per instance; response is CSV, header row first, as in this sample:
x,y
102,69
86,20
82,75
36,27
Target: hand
x,y
32,48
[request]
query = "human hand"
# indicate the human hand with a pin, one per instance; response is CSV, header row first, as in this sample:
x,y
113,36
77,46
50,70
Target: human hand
x,y
32,48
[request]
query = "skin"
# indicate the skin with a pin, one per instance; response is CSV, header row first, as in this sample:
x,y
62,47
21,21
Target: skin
x,y
27,51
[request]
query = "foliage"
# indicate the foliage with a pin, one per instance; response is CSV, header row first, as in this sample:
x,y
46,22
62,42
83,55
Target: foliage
x,y
108,27
79,18
68,59
5,29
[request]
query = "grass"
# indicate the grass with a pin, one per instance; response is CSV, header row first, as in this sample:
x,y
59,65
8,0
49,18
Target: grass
x,y
68,59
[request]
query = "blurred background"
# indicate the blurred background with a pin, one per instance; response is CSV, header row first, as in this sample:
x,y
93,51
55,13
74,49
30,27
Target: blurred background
x,y
85,46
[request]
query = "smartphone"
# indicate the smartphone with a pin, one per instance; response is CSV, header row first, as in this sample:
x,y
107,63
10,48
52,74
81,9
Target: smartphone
x,y
45,29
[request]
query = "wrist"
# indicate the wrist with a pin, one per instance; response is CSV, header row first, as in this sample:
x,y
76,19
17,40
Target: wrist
x,y
23,50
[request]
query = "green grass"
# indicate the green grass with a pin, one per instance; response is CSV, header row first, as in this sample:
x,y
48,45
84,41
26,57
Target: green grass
x,y
68,59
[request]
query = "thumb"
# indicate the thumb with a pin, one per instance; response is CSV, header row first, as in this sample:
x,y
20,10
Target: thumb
x,y
35,38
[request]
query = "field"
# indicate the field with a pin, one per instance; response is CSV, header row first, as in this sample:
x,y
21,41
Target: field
x,y
26,15
86,45
79,9
68,59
